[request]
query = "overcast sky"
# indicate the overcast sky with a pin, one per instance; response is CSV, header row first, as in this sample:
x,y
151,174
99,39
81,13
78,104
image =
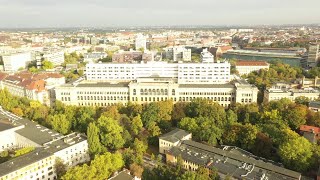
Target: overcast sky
x,y
106,13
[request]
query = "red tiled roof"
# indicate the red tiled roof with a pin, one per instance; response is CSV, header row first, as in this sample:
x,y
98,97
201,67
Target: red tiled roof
x,y
225,48
251,63
2,76
306,128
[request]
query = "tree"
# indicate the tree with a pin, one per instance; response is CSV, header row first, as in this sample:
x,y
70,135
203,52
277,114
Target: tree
x,y
296,154
100,168
59,123
189,124
112,112
47,65
95,146
178,111
110,133
295,116
17,111
136,170
136,125
60,168
302,100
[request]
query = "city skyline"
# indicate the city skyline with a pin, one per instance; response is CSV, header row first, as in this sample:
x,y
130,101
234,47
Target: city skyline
x,y
98,13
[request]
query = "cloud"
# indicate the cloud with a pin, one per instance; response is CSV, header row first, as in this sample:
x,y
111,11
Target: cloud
x,y
68,13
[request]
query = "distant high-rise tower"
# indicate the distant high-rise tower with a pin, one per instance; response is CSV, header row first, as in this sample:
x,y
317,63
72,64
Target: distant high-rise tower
x,y
313,56
141,42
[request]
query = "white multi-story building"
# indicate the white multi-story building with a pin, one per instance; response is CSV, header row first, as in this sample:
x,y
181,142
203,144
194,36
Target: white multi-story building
x,y
246,67
141,42
56,57
49,146
190,73
206,56
146,90
279,91
178,53
94,56
14,62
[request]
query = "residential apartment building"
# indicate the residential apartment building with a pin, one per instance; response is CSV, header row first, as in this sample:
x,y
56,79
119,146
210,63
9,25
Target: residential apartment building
x,y
141,42
178,53
146,90
94,56
55,57
188,73
280,90
228,161
127,56
38,87
16,61
206,56
313,55
246,67
49,146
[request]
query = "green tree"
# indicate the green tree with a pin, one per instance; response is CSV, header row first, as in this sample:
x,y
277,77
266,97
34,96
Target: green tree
x,y
60,123
47,65
95,146
101,167
110,133
136,125
296,154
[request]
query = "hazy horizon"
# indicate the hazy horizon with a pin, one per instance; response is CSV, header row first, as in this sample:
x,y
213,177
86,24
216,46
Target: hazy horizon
x,y
144,13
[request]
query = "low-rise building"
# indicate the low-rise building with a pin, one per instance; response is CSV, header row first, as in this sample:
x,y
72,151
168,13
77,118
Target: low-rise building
x,y
311,133
228,161
172,138
49,146
279,91
38,87
314,106
246,67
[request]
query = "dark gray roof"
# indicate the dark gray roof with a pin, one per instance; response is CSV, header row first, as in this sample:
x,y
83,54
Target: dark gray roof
x,y
174,135
206,86
229,162
22,161
5,124
314,104
122,176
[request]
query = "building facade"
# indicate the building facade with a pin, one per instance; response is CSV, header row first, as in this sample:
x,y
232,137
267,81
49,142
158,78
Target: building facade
x,y
14,62
146,90
49,147
280,91
246,67
193,73
178,53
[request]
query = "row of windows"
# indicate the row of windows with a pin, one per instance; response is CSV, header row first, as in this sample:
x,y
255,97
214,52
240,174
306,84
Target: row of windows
x,y
111,98
116,92
206,93
246,100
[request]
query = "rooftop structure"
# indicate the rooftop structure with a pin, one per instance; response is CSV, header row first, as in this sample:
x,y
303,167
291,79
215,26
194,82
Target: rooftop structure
x,y
72,149
288,58
227,161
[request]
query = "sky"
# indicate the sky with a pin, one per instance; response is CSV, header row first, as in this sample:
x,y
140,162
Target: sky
x,y
114,13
